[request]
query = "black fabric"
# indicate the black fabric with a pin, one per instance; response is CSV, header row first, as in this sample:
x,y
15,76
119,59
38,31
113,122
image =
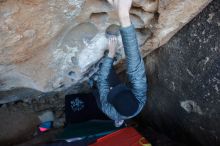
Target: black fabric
x,y
82,107
120,96
113,78
123,100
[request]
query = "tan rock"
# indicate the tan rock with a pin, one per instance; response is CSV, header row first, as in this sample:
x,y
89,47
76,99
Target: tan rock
x,y
144,16
52,45
173,15
147,5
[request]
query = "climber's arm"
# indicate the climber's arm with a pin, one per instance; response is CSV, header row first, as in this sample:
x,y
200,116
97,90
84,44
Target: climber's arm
x,y
103,87
134,61
103,84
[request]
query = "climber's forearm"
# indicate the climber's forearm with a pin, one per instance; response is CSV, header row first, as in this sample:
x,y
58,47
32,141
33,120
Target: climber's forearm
x,y
124,19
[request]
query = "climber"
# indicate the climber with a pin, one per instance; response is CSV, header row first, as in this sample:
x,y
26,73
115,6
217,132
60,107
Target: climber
x,y
115,99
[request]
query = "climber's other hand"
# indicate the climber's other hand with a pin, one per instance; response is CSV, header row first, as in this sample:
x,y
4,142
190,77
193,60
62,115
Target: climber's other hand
x,y
112,43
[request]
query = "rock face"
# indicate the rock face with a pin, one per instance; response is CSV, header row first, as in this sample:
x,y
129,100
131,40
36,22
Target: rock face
x,y
16,126
52,45
184,82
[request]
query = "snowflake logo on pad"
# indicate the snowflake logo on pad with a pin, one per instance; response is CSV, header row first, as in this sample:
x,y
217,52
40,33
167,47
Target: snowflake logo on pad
x,y
77,105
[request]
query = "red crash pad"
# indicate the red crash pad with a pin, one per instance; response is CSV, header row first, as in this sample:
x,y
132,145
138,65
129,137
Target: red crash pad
x,y
124,137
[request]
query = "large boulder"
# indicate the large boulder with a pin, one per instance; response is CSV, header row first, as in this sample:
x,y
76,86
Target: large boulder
x,y
52,45
184,82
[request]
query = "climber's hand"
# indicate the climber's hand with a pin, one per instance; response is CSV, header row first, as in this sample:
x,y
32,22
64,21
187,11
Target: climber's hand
x,y
123,8
112,43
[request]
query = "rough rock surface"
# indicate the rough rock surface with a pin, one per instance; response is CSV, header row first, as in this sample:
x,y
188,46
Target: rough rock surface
x,y
16,126
20,119
184,82
51,45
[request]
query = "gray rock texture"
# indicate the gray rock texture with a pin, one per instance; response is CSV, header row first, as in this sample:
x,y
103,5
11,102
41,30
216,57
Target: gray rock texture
x,y
184,82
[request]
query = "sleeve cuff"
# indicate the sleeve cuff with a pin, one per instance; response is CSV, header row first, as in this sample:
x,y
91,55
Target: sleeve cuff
x,y
127,30
108,60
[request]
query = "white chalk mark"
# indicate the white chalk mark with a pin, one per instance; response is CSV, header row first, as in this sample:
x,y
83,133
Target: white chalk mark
x,y
190,73
191,106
